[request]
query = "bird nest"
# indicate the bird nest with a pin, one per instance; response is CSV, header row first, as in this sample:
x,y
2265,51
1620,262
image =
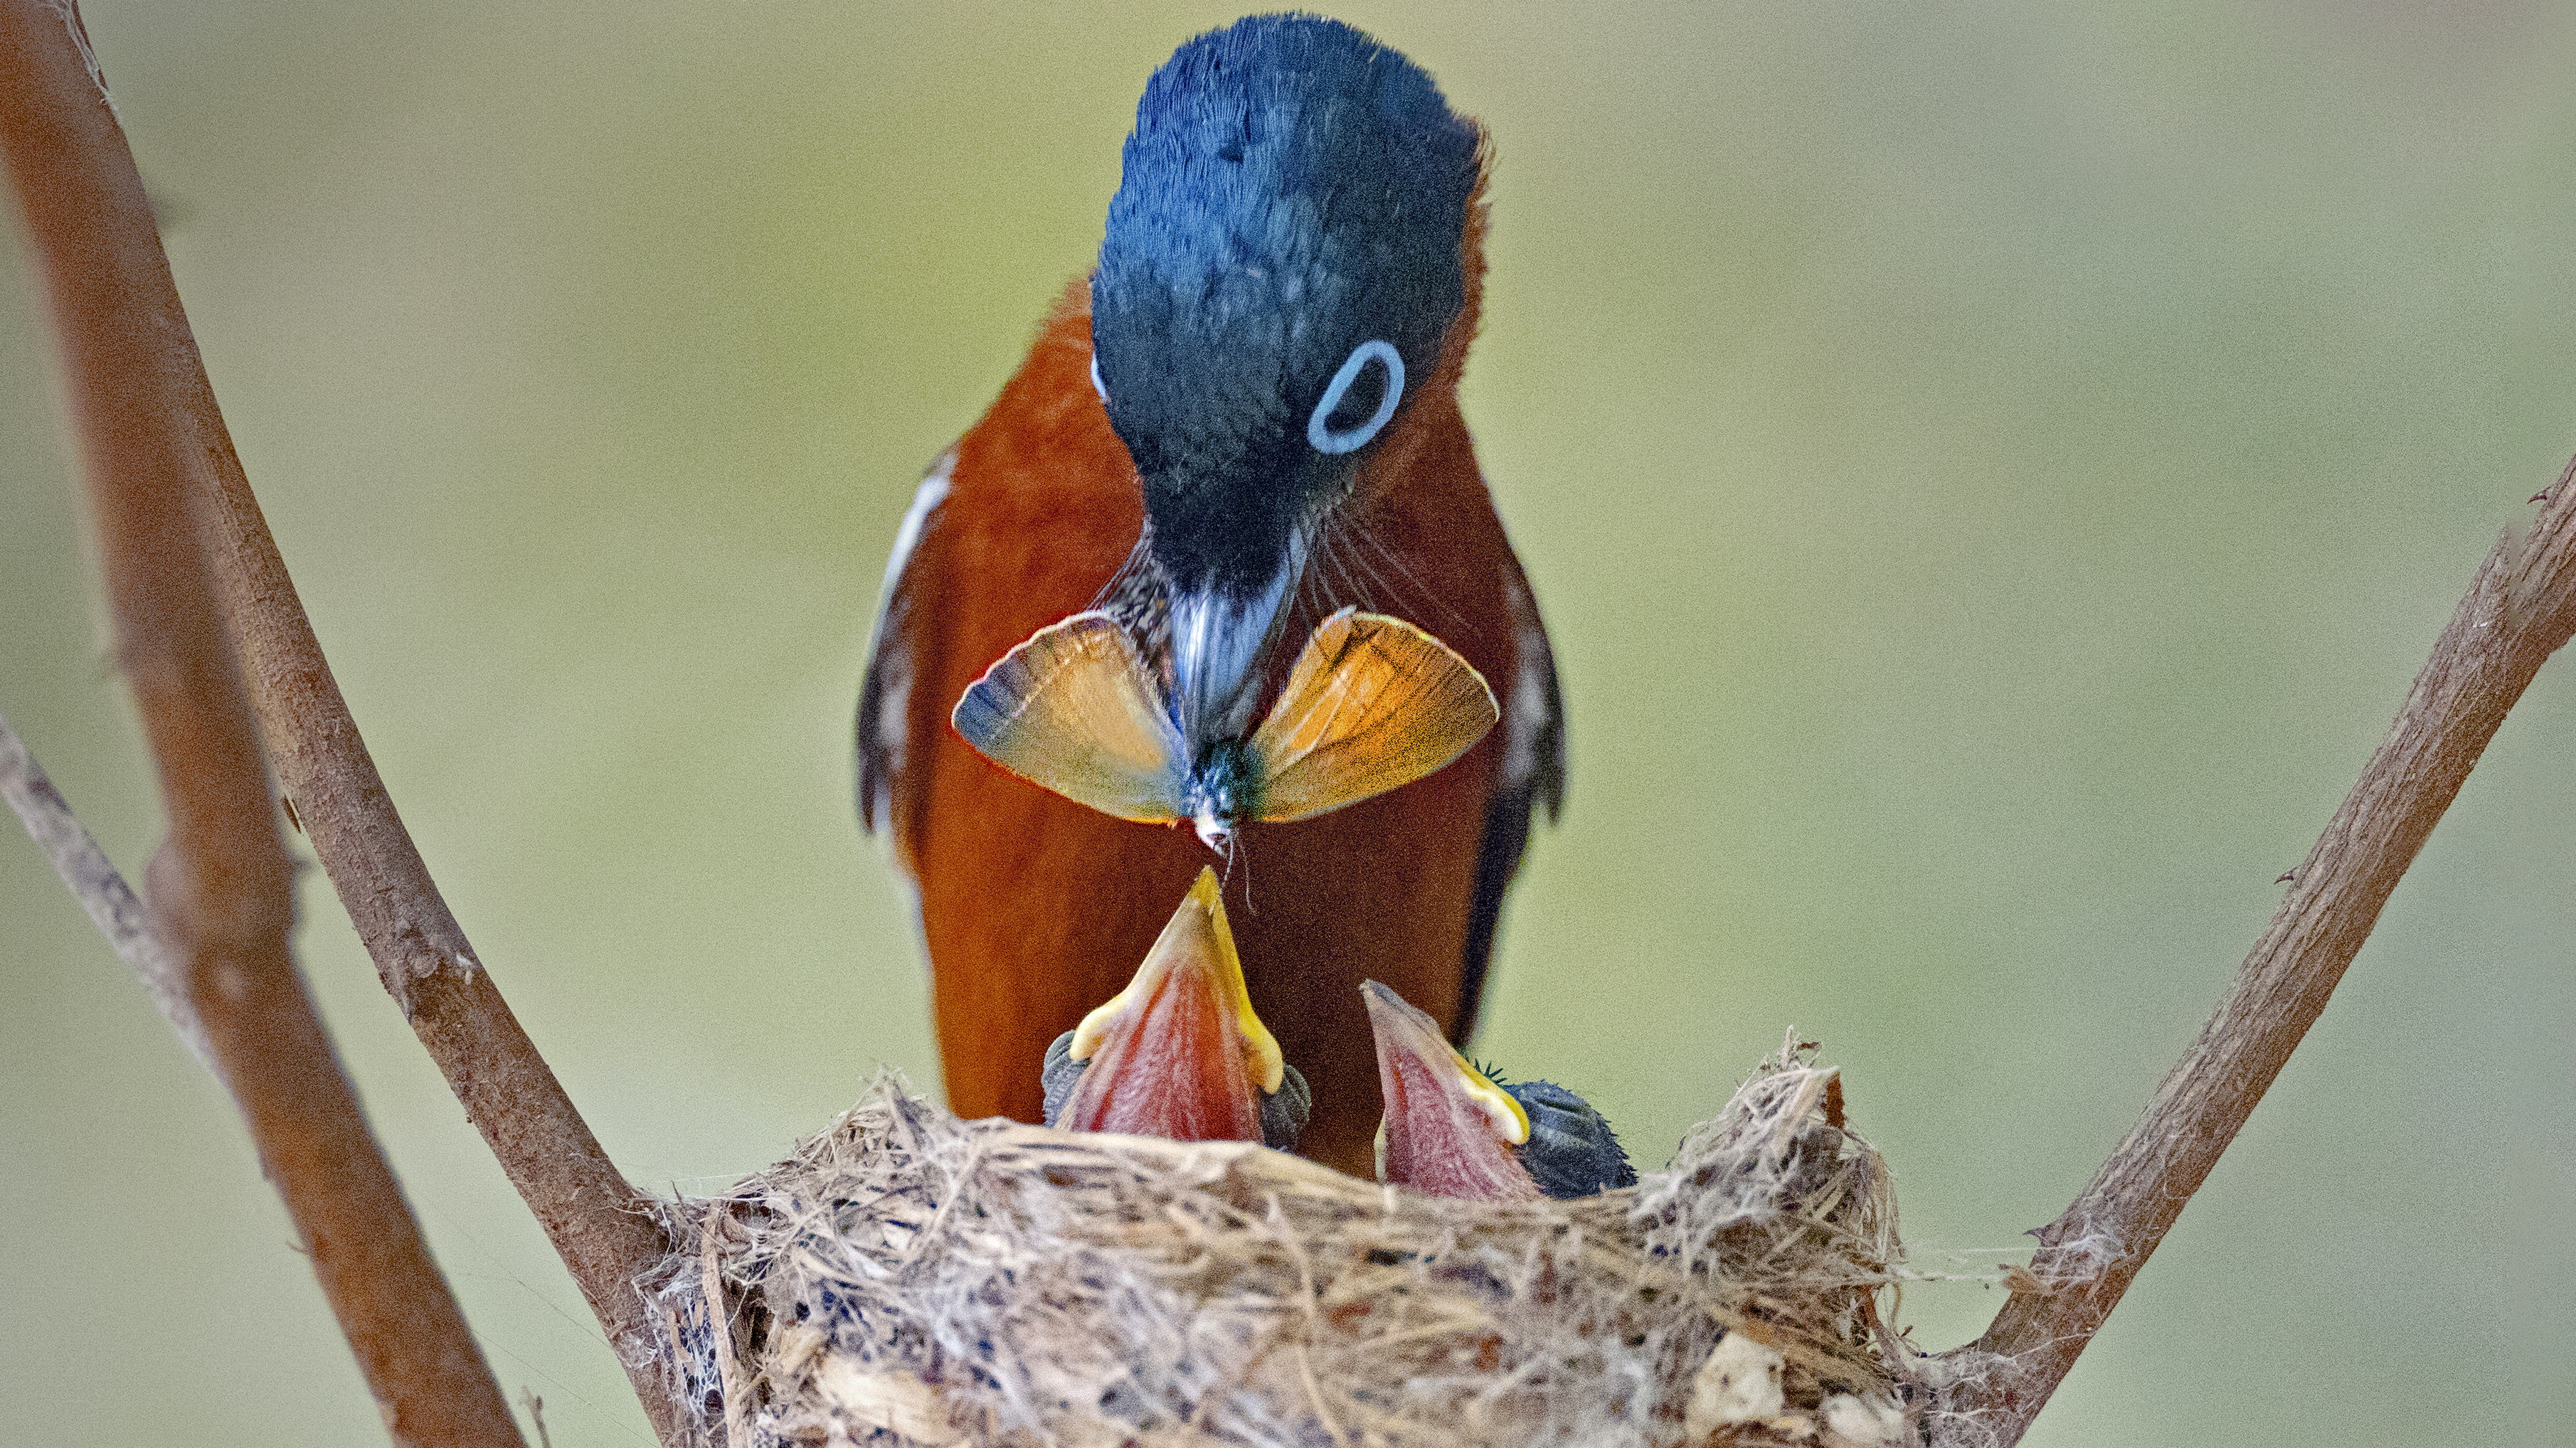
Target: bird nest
x,y
908,1278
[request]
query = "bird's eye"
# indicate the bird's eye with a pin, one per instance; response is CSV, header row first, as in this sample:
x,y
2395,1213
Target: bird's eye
x,y
1359,400
1096,384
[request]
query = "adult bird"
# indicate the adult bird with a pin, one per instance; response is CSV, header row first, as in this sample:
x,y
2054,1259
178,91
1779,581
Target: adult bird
x,y
1180,1053
1455,1129
1246,417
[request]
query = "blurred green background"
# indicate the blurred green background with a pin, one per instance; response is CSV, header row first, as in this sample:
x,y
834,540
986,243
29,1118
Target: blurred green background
x,y
1991,470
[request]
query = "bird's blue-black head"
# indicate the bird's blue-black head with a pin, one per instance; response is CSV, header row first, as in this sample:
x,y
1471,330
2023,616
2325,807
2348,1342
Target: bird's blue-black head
x,y
1280,266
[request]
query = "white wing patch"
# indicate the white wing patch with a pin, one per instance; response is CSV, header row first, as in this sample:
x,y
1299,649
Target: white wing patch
x,y
925,499
891,668
1532,709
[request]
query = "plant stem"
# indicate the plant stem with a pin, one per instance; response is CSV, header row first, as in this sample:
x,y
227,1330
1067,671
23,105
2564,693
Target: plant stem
x,y
222,885
2519,611
89,224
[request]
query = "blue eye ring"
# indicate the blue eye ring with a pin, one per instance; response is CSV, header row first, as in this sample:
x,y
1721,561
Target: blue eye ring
x,y
1319,433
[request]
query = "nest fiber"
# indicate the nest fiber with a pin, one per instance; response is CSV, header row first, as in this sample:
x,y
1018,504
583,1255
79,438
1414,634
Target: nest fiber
x,y
908,1278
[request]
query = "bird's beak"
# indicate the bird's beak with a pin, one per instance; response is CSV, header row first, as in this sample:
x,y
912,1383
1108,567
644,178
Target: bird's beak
x,y
1219,640
1448,1130
1179,1052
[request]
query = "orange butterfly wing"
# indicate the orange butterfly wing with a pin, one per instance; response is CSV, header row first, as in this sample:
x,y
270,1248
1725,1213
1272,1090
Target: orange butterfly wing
x,y
1372,703
1073,710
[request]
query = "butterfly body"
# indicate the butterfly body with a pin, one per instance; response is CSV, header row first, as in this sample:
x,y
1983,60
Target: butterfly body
x,y
1224,786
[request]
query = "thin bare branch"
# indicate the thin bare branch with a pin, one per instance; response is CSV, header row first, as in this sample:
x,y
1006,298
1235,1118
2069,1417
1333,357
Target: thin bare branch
x,y
2519,611
590,1213
222,886
598,1223
94,881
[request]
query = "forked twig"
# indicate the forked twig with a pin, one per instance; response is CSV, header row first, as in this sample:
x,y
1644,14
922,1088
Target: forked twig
x,y
222,885
2519,611
93,880
76,181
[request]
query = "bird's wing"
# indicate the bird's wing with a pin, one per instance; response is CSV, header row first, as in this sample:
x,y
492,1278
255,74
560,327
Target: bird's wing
x,y
895,661
1534,732
1532,774
1073,710
1372,703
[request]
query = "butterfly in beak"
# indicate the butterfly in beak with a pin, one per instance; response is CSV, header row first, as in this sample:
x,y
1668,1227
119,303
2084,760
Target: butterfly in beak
x,y
1372,703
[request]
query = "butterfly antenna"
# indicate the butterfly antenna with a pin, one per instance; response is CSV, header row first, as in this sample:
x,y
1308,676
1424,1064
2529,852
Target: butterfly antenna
x,y
1233,850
